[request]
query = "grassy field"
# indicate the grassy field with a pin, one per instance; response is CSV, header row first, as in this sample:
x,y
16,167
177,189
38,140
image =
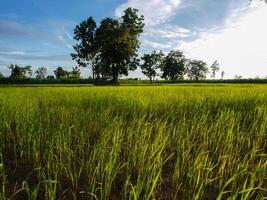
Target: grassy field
x,y
139,143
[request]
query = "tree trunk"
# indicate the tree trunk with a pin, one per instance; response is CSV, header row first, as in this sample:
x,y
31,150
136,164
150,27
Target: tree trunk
x,y
93,72
114,74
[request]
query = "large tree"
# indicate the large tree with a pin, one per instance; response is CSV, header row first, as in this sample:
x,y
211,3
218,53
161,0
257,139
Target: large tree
x,y
197,69
150,64
112,47
85,51
173,66
18,72
1,75
118,42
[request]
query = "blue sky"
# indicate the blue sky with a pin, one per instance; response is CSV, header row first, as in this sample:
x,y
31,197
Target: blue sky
x,y
39,33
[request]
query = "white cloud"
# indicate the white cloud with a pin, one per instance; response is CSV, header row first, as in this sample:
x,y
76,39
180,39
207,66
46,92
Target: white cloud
x,y
64,37
155,45
240,46
15,53
159,31
155,11
64,41
168,31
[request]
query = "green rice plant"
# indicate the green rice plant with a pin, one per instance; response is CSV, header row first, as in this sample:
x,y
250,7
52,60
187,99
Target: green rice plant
x,y
185,141
32,193
3,181
50,186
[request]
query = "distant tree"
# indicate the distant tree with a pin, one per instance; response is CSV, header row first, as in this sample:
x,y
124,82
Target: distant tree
x,y
215,67
238,77
18,72
151,62
174,66
41,73
60,73
75,73
1,75
50,77
222,74
197,70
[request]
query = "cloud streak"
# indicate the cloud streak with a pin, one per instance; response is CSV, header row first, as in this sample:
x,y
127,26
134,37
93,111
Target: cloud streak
x,y
22,55
168,31
51,31
155,45
47,42
14,29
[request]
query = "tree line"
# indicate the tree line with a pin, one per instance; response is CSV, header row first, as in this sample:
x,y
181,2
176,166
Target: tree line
x,y
20,73
110,49
173,66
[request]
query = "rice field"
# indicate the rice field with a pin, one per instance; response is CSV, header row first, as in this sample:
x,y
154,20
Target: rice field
x,y
134,142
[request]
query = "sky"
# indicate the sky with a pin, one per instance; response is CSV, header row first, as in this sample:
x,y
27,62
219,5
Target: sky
x,y
234,32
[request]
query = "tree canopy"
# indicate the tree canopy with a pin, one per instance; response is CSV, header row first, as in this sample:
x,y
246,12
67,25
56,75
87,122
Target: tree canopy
x,y
111,49
86,51
197,69
75,73
173,66
60,73
151,62
18,72
41,73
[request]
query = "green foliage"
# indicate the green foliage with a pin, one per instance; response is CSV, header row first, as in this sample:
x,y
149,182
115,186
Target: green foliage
x,y
18,72
174,66
75,73
1,75
199,141
151,62
50,77
60,73
197,70
111,48
86,50
41,73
